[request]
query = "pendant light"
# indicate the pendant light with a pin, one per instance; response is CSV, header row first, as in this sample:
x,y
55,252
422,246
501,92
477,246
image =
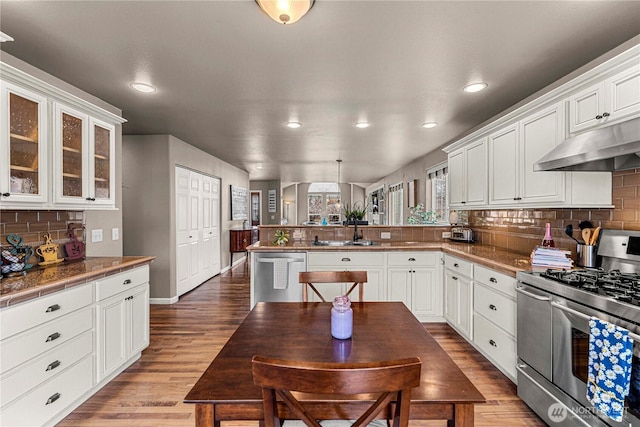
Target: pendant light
x,y
285,11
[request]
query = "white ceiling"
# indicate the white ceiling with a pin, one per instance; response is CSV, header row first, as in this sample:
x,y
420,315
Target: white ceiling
x,y
228,77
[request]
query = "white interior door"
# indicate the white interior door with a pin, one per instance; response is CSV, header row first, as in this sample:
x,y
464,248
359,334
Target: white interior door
x,y
183,248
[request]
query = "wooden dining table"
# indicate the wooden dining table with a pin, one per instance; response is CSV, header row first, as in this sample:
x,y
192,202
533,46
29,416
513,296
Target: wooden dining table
x,y
301,331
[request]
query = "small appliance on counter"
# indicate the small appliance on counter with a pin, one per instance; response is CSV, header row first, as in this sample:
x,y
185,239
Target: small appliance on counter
x,y
462,234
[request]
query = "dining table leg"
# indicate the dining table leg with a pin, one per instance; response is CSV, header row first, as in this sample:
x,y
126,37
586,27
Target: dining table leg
x,y
463,416
205,415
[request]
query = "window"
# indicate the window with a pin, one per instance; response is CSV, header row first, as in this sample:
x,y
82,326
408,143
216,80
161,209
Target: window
x,y
437,178
396,197
323,201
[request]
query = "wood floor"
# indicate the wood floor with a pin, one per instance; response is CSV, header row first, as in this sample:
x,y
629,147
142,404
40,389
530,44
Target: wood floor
x,y
186,336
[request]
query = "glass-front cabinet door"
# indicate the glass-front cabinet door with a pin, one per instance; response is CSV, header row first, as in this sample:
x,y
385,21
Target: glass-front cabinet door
x,y
101,162
23,146
71,143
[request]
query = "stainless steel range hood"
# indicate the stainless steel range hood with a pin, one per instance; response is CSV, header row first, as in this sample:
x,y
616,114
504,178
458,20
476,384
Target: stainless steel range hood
x,y
612,148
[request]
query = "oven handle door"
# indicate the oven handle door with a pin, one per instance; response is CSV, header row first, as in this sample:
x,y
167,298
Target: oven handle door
x,y
633,336
534,296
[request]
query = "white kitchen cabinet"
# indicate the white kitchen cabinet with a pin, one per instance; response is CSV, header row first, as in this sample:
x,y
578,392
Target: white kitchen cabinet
x,y
122,323
458,295
371,262
605,102
23,148
495,318
84,159
468,175
413,278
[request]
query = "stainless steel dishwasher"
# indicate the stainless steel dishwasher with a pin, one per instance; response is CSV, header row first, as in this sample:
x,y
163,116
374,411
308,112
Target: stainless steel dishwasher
x,y
274,276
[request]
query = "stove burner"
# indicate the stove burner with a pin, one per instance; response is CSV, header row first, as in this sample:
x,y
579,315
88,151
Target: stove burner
x,y
624,287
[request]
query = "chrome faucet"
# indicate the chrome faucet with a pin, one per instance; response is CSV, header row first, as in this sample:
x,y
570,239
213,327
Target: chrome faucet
x,y
356,237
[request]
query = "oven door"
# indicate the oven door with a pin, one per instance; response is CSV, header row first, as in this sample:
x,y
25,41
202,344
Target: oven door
x,y
571,358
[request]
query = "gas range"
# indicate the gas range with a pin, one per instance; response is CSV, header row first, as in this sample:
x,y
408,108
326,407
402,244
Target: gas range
x,y
620,286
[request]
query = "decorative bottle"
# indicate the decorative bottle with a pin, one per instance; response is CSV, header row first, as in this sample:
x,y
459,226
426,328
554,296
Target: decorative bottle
x,y
547,241
341,318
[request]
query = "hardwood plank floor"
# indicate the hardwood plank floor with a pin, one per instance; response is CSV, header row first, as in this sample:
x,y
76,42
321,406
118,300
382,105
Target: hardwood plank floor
x,y
186,336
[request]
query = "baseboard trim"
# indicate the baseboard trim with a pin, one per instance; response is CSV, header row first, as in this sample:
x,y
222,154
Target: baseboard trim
x,y
171,300
235,263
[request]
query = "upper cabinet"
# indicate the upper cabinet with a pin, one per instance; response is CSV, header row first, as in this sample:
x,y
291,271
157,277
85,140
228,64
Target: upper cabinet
x,y
468,175
84,154
50,136
614,99
23,144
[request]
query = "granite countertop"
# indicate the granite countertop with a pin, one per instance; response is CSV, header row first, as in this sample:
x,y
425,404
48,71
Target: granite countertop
x,y
40,281
497,259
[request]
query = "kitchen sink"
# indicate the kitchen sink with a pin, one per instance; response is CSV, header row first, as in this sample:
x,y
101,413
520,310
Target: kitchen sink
x,y
343,243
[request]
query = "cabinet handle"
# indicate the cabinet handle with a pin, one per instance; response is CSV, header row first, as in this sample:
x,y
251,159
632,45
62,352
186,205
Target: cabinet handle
x,y
91,199
517,198
54,336
53,398
346,259
442,261
598,117
190,236
493,343
52,308
454,277
6,194
605,114
53,365
493,280
127,282
463,202
456,265
493,307
412,259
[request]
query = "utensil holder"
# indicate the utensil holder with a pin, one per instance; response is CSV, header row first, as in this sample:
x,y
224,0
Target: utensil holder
x,y
587,255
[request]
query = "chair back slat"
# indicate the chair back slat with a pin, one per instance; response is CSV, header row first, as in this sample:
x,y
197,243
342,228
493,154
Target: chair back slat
x,y
388,379
311,278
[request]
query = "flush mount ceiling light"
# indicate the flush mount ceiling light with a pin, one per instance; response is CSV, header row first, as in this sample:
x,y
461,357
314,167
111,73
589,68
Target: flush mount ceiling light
x,y
363,125
143,87
5,37
285,11
475,87
429,125
294,125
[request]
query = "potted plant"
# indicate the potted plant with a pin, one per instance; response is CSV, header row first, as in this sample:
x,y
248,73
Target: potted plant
x,y
281,238
355,214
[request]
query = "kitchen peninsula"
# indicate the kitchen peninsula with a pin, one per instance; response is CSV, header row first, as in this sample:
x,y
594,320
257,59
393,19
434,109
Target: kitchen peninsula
x,y
66,331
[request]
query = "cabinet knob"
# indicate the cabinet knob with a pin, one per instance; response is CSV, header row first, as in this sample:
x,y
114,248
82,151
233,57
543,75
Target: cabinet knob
x,y
493,343
454,277
493,307
598,117
53,398
605,114
6,194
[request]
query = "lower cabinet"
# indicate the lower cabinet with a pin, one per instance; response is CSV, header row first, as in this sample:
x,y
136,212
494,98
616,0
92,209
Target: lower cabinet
x,y
458,295
371,262
413,278
57,350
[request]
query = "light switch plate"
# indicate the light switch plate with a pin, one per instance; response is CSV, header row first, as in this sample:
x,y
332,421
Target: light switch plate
x,y
115,233
96,235
385,235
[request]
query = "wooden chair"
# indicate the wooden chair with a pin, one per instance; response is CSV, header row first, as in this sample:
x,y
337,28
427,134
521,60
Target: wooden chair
x,y
388,379
308,278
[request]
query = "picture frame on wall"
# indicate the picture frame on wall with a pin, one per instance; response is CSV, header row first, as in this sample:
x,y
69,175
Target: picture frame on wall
x,y
239,203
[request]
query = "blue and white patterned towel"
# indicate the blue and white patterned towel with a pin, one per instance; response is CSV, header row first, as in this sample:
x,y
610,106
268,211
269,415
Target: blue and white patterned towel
x,y
610,358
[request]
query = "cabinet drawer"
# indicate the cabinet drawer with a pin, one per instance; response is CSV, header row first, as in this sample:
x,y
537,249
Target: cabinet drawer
x,y
45,402
415,259
121,282
459,265
32,313
498,281
346,258
47,366
496,307
20,348
496,344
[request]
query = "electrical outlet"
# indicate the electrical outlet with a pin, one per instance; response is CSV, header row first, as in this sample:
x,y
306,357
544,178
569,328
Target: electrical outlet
x,y
446,234
385,235
96,235
115,234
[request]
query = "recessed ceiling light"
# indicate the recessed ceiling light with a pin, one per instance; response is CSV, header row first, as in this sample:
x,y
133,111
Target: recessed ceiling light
x,y
5,37
363,125
143,87
429,125
294,125
475,87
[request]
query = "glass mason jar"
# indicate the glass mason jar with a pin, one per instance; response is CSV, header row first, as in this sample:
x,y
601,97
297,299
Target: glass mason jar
x,y
341,318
